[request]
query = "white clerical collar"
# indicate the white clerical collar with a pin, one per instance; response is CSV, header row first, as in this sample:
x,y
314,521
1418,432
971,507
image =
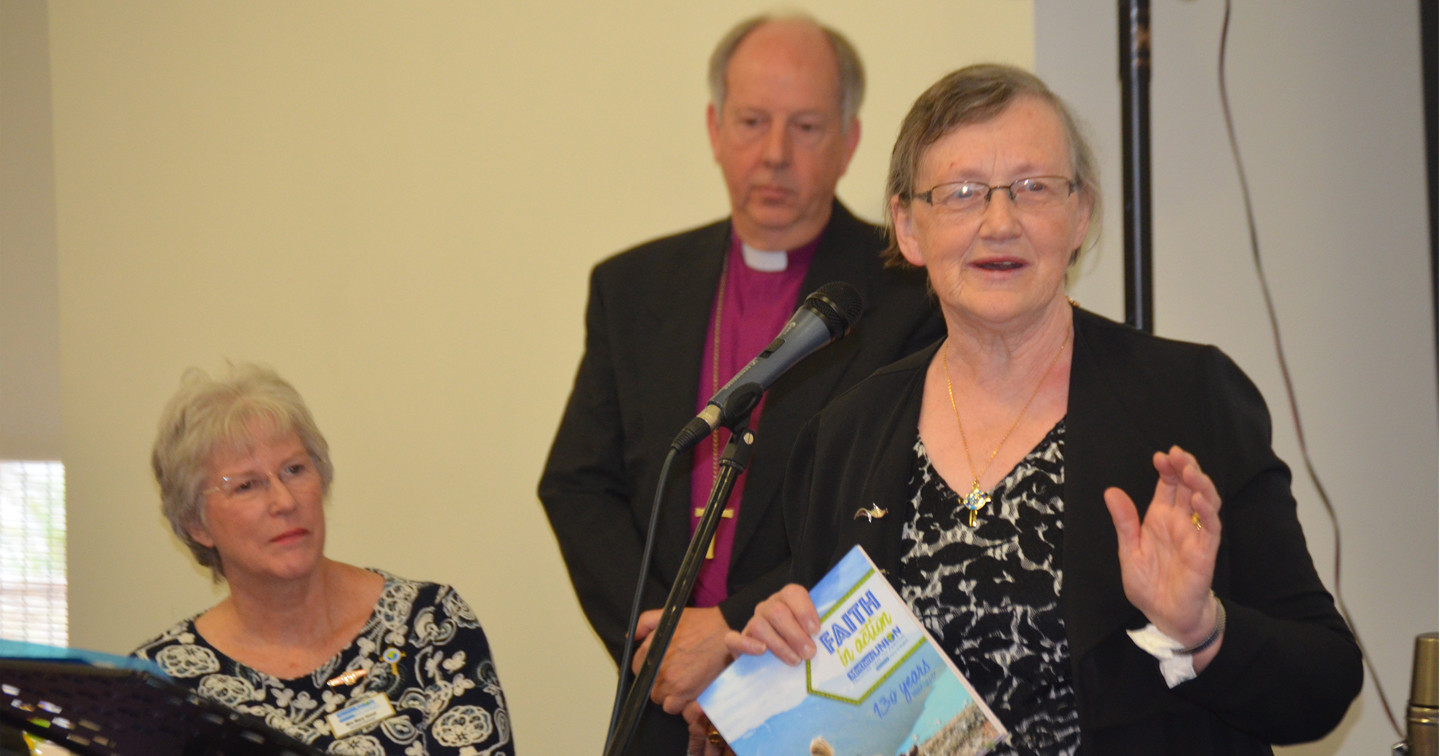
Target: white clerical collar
x,y
765,262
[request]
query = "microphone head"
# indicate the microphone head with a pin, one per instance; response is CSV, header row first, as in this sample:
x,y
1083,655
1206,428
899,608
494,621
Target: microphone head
x,y
838,304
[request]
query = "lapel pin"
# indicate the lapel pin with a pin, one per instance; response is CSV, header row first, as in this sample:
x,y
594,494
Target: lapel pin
x,y
872,514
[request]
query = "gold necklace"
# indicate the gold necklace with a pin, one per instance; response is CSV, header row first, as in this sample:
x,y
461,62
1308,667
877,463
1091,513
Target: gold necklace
x,y
977,499
728,512
715,365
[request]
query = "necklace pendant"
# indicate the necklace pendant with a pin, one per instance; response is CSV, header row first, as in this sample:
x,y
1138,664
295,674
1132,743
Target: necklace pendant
x,y
975,500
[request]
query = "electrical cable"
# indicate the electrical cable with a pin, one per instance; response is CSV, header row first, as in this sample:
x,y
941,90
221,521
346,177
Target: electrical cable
x,y
623,683
1285,372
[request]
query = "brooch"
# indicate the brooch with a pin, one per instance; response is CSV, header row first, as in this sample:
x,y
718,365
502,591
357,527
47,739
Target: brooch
x,y
872,514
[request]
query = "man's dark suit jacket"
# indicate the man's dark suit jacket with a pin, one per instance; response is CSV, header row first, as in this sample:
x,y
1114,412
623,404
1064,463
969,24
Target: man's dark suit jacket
x,y
1288,666
646,326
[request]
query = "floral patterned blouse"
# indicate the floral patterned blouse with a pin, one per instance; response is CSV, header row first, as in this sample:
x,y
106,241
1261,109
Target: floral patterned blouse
x,y
422,648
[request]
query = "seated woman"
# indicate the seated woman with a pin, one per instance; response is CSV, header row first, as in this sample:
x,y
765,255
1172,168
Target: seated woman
x,y
994,476
302,641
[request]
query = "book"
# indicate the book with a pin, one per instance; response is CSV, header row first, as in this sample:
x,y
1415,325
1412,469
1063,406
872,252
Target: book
x,y
878,684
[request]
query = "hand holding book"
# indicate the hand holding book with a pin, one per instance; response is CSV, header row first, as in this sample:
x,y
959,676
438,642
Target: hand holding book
x,y
783,625
843,668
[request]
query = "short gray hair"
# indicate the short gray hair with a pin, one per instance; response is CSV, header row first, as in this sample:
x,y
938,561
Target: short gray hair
x,y
975,94
851,81
208,415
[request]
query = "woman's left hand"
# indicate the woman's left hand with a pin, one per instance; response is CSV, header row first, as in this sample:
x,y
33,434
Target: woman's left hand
x,y
1167,562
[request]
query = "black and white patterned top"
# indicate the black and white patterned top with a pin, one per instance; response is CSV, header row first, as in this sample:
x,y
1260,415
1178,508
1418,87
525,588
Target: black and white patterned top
x,y
991,594
441,682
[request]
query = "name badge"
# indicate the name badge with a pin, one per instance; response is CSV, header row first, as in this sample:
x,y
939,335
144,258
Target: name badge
x,y
360,715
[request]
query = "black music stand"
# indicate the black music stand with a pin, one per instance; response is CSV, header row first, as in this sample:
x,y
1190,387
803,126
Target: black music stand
x,y
103,705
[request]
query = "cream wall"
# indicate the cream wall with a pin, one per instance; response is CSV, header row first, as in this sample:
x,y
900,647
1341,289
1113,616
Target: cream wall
x,y
29,289
396,205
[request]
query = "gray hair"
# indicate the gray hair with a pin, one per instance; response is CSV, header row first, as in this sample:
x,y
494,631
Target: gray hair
x,y
208,415
975,94
851,81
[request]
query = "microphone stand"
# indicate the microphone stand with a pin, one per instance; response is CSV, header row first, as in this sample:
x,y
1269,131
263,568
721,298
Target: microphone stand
x,y
1135,133
733,462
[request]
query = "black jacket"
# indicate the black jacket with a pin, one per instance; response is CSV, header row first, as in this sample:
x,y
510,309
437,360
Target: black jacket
x,y
1289,666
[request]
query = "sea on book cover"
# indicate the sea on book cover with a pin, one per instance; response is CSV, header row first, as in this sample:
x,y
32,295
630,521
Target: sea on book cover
x,y
877,685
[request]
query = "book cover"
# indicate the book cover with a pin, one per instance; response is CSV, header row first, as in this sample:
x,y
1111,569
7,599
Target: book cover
x,y
877,686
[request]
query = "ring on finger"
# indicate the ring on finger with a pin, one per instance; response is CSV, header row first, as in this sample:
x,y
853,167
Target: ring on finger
x,y
1195,520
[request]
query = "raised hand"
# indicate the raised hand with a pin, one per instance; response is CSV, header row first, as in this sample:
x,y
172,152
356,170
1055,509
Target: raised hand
x,y
1167,562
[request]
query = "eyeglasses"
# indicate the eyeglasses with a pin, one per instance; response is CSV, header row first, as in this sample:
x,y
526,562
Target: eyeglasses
x,y
295,476
1034,193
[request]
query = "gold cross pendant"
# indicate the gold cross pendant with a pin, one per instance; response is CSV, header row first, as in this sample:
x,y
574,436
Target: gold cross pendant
x,y
974,501
728,514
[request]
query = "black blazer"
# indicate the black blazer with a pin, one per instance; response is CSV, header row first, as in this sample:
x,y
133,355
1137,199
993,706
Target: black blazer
x,y
645,331
1288,667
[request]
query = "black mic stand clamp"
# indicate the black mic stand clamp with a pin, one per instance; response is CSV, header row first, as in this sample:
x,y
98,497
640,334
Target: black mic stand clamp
x,y
733,462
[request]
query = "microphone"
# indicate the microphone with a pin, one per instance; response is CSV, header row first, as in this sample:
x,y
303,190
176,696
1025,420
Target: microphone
x,y
826,315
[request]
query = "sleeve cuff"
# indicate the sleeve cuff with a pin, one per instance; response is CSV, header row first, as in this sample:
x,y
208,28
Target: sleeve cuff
x,y
1177,663
1175,667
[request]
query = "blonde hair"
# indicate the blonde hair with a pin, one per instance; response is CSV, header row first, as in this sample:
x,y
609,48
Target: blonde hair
x,y
207,415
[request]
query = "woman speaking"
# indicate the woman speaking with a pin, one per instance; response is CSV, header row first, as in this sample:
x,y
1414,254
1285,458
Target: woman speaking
x,y
996,476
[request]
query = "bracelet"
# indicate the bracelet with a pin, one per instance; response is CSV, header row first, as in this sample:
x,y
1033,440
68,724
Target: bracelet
x,y
1214,634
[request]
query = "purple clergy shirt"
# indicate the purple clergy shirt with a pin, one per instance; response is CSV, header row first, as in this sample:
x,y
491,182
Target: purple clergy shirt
x,y
753,306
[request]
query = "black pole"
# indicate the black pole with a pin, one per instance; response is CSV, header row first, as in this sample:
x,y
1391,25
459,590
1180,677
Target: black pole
x,y
1427,78
732,464
1135,138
